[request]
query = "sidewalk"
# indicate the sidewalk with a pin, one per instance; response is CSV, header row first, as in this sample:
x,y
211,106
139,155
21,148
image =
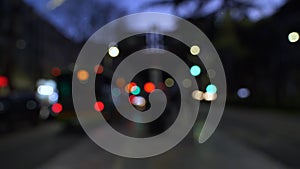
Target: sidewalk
x,y
219,152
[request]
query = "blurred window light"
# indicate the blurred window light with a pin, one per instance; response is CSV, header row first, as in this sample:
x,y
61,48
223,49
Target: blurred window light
x,y
57,108
3,81
169,82
45,90
211,89
149,87
83,75
99,106
113,51
293,37
195,70
197,95
243,93
135,90
195,50
187,83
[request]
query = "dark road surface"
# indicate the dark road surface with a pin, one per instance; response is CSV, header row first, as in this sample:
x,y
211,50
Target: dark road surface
x,y
273,135
30,148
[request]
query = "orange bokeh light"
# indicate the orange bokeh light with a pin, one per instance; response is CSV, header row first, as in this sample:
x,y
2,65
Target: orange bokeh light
x,y
82,75
149,87
129,86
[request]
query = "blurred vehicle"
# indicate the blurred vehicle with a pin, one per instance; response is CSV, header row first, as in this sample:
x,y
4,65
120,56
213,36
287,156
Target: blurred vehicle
x,y
18,108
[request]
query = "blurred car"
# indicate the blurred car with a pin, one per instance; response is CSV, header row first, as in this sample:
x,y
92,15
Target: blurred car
x,y
18,108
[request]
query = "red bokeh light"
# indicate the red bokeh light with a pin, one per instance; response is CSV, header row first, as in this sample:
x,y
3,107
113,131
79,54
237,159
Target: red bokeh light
x,y
99,106
149,87
3,81
56,71
161,86
131,98
57,108
98,69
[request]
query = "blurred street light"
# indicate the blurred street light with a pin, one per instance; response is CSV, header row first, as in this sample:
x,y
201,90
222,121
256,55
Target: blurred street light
x,y
293,37
195,50
113,51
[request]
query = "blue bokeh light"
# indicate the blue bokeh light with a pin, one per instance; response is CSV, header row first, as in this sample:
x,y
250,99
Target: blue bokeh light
x,y
195,70
211,89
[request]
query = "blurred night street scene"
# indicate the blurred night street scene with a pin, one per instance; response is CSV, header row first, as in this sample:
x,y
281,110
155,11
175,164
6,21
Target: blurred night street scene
x,y
257,41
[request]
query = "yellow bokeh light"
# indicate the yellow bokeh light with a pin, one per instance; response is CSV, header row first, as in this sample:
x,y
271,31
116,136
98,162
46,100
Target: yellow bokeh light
x,y
197,95
83,75
113,51
195,50
169,82
210,96
293,37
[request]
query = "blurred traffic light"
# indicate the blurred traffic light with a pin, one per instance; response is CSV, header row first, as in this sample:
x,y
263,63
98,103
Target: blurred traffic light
x,y
3,81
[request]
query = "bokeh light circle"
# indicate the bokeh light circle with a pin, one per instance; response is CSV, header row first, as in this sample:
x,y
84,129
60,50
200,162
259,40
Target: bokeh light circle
x,y
211,89
195,70
83,75
99,106
195,50
293,37
243,93
113,51
56,108
169,82
135,90
149,87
